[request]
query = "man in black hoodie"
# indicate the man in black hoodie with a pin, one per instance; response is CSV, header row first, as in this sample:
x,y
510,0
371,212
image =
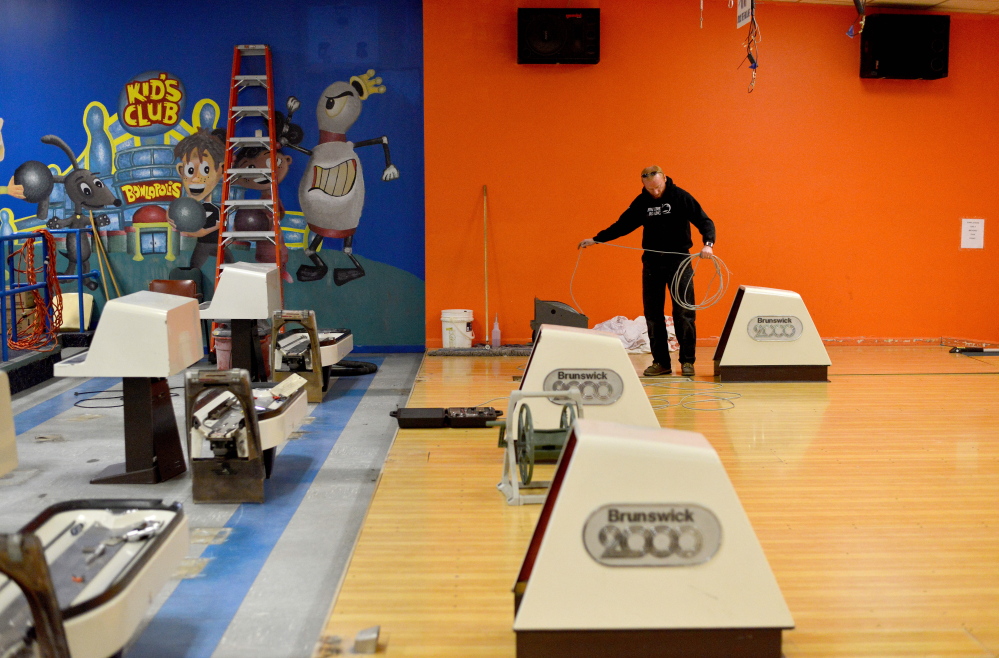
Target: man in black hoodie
x,y
665,212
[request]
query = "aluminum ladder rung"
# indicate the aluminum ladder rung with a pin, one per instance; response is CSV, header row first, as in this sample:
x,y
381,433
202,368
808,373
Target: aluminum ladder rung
x,y
249,235
252,80
250,110
266,204
249,170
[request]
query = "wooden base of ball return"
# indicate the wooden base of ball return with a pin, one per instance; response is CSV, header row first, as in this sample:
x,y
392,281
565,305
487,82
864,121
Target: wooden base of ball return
x,y
652,643
772,373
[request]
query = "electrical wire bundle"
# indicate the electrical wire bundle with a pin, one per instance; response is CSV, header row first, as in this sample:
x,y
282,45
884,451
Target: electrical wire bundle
x,y
722,276
752,45
692,395
40,335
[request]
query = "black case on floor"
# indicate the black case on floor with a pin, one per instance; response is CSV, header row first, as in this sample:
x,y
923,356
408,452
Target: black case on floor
x,y
417,417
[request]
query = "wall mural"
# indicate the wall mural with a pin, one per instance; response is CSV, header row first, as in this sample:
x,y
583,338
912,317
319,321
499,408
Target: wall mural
x,y
139,144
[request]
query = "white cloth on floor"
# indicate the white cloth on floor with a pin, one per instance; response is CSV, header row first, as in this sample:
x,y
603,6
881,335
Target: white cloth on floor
x,y
634,334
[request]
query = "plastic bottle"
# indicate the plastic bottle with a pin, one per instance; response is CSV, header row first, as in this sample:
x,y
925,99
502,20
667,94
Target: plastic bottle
x,y
496,333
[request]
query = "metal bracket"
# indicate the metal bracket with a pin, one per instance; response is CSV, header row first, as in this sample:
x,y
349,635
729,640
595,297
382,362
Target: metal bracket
x,y
233,477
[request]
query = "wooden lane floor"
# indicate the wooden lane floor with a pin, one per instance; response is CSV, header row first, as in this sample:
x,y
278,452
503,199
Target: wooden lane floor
x,y
874,496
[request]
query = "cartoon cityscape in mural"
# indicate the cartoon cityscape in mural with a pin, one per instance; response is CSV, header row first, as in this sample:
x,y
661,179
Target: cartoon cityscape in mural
x,y
134,158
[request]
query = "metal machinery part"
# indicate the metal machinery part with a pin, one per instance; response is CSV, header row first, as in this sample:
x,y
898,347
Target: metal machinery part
x,y
531,444
236,470
72,569
300,351
542,445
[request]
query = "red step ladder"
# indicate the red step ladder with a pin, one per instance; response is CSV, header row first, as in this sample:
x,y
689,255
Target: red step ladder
x,y
252,82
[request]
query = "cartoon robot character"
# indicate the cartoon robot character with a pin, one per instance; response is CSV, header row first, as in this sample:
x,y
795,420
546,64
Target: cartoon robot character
x,y
331,192
84,189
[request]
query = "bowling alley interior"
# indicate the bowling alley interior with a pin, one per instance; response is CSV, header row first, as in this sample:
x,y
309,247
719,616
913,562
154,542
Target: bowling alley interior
x,y
506,329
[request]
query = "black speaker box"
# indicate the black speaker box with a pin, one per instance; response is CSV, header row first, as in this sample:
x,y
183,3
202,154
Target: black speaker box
x,y
905,46
558,36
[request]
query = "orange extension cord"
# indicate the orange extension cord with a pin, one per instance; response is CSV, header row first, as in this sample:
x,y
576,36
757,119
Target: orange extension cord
x,y
37,336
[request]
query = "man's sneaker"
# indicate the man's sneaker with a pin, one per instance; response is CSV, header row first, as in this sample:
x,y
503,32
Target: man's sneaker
x,y
687,369
656,370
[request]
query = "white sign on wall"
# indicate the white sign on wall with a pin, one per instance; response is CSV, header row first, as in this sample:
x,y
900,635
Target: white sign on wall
x,y
745,13
972,234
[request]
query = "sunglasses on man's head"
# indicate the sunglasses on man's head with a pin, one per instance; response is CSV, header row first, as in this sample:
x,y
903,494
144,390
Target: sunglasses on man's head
x,y
651,174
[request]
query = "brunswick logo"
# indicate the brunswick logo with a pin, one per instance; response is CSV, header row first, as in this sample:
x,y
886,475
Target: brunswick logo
x,y
151,103
654,535
596,386
774,328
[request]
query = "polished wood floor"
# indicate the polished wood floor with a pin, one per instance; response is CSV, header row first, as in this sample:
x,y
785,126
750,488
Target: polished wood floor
x,y
875,497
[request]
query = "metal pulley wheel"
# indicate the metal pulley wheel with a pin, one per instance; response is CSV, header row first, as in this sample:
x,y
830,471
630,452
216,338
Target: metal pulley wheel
x,y
568,418
525,444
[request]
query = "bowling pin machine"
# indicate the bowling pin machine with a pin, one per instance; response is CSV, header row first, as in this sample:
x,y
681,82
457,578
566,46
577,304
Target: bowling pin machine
x,y
769,336
234,429
143,338
77,579
643,548
571,372
306,351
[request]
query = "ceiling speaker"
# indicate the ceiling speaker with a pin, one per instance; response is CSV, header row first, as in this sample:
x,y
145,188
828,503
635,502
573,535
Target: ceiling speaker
x,y
558,36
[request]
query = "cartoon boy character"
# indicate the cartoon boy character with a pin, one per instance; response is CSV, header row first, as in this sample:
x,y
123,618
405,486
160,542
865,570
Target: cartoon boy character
x,y
201,156
10,188
260,158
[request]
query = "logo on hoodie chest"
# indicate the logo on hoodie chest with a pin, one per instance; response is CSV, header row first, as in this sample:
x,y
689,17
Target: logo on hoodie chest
x,y
655,211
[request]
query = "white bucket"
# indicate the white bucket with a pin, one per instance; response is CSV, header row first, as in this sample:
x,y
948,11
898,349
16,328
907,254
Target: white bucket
x,y
456,327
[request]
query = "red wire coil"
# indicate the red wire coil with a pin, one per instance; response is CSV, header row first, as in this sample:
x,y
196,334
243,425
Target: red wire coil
x,y
40,335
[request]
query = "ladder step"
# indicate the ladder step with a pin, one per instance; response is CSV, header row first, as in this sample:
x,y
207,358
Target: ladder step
x,y
248,49
261,110
266,204
252,79
263,140
249,170
248,235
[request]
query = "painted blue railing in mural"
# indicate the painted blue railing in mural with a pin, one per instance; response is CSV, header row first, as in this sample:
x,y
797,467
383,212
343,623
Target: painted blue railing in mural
x,y
11,287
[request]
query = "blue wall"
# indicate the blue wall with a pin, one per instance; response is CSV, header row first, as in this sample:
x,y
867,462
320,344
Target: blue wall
x,y
59,56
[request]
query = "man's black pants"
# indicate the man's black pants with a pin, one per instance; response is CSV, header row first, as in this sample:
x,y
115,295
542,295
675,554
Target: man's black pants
x,y
655,281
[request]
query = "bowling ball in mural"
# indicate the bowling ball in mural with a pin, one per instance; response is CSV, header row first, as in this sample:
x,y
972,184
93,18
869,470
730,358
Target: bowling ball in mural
x,y
37,180
252,219
187,214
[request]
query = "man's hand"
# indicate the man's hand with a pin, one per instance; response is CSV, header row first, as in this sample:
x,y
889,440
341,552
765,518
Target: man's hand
x,y
586,243
706,252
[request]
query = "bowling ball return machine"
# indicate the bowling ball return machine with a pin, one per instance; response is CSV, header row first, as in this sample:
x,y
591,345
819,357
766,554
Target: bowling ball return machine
x,y
143,338
769,336
77,579
644,549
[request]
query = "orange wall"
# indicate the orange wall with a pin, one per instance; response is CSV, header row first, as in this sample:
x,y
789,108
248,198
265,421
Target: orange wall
x,y
847,191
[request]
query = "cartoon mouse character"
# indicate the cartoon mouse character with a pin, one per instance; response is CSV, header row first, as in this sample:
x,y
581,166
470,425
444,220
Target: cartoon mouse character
x,y
331,191
84,189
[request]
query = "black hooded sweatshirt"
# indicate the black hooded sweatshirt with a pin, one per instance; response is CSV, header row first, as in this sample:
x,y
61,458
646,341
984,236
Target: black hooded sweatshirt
x,y
666,221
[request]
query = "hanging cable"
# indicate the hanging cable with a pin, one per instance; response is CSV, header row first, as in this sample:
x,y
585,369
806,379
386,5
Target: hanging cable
x,y
715,292
752,45
857,27
41,333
